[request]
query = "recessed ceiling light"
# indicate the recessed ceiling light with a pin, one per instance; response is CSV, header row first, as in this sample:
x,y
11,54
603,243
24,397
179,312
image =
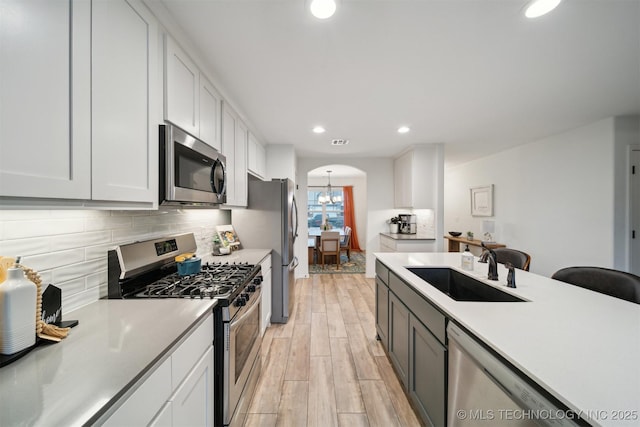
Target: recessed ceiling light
x,y
319,129
323,9
403,129
537,8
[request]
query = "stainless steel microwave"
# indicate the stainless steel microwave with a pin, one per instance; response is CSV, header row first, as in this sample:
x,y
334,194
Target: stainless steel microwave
x,y
192,173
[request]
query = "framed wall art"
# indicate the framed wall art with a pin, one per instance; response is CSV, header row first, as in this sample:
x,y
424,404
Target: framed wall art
x,y
482,201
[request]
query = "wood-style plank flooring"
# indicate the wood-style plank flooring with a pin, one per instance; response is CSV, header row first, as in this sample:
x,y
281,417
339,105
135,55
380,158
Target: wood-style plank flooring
x,y
325,367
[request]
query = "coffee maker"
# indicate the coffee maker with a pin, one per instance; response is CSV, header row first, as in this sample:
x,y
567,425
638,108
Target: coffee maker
x,y
408,224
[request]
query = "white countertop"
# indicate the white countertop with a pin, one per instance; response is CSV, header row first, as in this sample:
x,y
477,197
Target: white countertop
x,y
581,346
115,343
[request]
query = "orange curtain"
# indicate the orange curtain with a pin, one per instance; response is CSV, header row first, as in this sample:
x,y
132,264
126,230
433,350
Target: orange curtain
x,y
349,216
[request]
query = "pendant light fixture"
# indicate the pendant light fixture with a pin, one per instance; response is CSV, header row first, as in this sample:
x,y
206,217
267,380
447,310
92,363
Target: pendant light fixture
x,y
323,9
328,197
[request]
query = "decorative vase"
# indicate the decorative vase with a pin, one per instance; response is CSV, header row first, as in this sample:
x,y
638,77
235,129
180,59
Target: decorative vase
x,y
393,228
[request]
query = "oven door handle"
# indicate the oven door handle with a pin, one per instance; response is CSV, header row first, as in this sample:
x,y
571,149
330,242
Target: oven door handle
x,y
247,312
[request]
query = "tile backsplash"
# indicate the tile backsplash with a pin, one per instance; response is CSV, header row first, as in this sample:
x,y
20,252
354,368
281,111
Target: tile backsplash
x,y
69,247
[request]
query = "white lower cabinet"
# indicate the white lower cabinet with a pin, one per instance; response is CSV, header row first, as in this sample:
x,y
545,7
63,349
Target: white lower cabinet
x,y
192,403
389,244
265,302
179,392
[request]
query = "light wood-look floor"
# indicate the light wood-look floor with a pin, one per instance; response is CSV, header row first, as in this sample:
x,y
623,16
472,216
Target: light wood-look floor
x,y
325,367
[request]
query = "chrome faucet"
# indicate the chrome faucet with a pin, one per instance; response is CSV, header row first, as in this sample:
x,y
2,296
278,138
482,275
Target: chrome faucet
x,y
490,255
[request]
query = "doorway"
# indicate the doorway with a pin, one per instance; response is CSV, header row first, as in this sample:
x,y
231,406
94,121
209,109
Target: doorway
x,y
337,198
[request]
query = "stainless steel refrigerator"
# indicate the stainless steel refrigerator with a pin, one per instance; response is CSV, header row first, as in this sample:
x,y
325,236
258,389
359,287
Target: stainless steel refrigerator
x,y
271,222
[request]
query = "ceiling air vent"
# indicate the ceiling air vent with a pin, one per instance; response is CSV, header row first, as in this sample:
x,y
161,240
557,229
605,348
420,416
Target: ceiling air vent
x,y
339,141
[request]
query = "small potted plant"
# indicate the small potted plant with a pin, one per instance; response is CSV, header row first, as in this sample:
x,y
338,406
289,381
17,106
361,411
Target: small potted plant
x,y
394,224
470,235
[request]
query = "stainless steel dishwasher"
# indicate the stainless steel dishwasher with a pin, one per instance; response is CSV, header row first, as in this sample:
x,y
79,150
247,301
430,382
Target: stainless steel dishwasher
x,y
483,391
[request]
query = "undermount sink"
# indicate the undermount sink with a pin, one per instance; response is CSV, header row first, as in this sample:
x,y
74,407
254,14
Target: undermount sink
x,y
461,287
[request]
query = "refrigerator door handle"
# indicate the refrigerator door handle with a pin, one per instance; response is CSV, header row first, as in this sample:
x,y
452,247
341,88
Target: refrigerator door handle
x,y
293,264
294,215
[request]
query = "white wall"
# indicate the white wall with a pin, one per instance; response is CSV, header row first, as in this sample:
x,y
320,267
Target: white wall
x,y
553,198
379,202
69,248
359,200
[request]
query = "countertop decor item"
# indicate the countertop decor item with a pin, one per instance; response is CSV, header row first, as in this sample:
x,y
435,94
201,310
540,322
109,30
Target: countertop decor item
x,y
18,301
455,233
228,236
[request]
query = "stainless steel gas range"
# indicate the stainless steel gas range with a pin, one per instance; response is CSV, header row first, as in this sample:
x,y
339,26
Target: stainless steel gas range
x,y
148,270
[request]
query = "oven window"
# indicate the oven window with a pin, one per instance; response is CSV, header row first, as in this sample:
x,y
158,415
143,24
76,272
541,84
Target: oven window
x,y
246,335
193,170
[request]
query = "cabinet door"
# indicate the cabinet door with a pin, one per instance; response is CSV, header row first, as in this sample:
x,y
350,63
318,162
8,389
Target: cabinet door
x,y
382,312
125,97
265,301
192,403
261,161
427,373
256,157
210,115
402,182
228,149
240,173
399,337
182,88
45,93
146,402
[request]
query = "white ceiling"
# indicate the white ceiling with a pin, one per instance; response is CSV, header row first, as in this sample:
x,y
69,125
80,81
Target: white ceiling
x,y
474,74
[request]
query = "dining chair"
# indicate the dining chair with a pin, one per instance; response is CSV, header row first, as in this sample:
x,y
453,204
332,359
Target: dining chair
x,y
311,246
519,259
329,246
615,283
345,243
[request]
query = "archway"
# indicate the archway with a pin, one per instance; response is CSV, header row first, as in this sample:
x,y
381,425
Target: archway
x,y
379,201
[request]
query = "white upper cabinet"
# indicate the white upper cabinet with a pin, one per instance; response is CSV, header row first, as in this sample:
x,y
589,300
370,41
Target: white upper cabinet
x,y
418,177
234,147
210,114
125,102
240,177
45,121
182,89
83,122
256,157
191,102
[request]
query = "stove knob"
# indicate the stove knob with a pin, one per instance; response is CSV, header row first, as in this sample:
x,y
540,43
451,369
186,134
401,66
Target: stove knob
x,y
251,288
245,297
239,302
257,280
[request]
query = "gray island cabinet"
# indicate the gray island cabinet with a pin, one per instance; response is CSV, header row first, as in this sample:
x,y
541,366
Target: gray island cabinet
x,y
412,332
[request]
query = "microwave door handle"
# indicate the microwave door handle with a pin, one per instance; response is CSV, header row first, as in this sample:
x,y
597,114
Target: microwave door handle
x,y
214,187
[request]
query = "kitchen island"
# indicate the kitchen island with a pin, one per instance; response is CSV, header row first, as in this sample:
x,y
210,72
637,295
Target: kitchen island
x,y
580,346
